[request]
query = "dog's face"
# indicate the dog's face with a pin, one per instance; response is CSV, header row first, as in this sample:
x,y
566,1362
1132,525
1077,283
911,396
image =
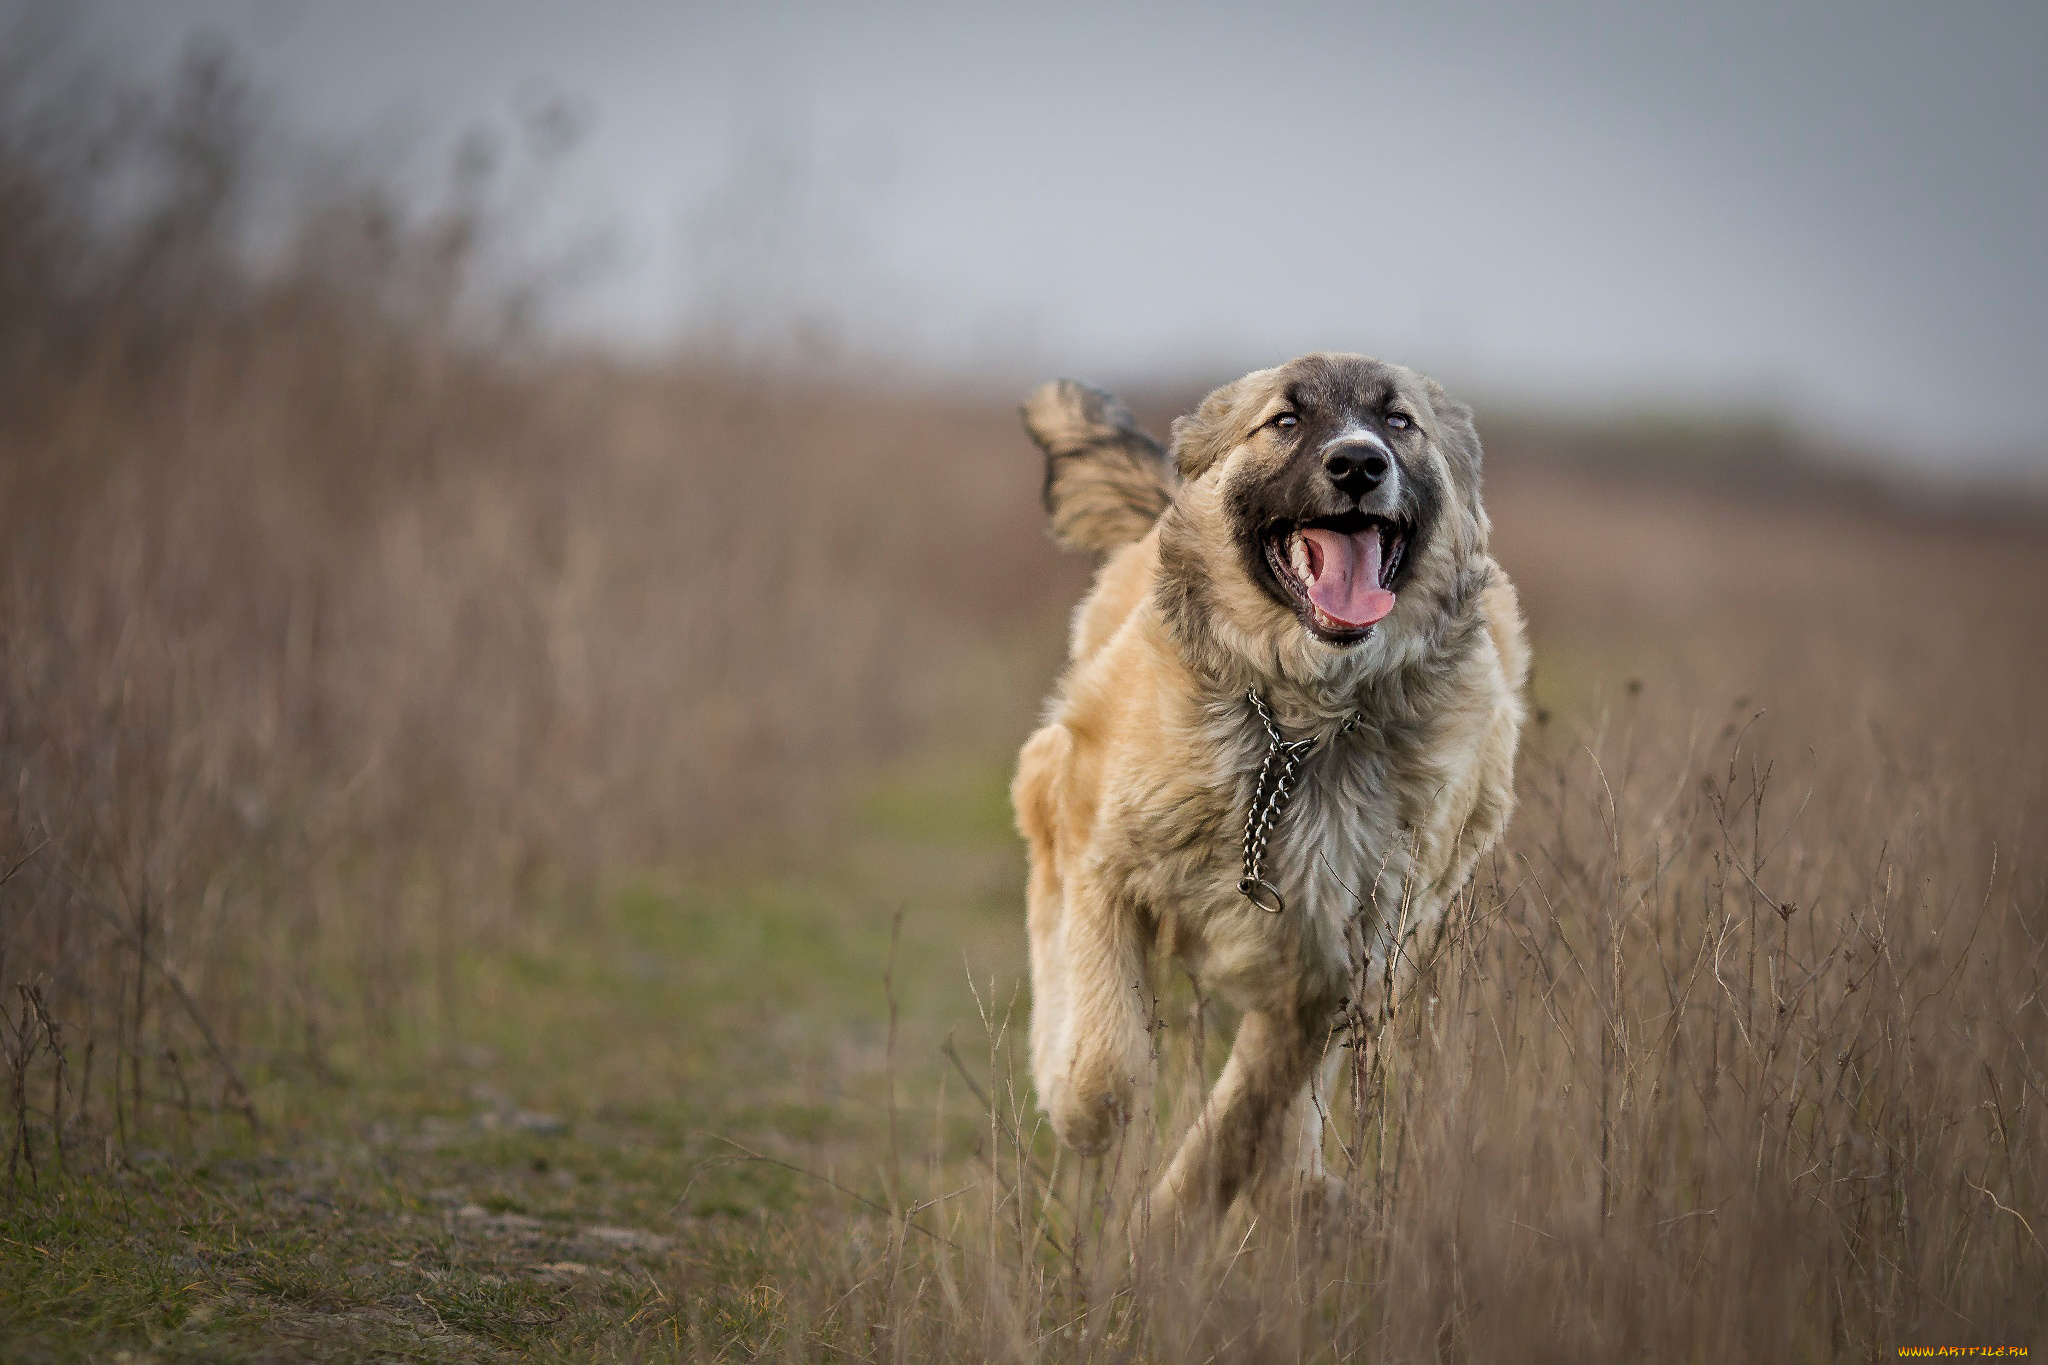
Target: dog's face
x,y
1330,517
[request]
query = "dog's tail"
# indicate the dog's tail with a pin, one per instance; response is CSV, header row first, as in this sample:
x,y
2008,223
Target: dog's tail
x,y
1106,482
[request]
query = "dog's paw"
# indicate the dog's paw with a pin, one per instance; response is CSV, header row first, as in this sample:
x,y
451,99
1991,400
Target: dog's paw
x,y
1088,1117
1329,1201
1304,1203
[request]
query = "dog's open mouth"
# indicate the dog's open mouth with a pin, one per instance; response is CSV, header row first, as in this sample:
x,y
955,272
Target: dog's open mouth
x,y
1340,571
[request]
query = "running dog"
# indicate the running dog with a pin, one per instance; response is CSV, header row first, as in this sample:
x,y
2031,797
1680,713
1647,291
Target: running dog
x,y
1285,736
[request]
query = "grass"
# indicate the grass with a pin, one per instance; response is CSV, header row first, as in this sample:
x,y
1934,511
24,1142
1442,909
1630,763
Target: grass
x,y
1736,1044
503,854
525,1180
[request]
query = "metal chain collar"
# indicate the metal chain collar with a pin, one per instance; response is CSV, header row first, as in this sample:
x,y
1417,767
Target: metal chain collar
x,y
1270,795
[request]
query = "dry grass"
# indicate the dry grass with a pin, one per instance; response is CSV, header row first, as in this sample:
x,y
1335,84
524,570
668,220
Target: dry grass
x,y
336,625
1735,1052
344,638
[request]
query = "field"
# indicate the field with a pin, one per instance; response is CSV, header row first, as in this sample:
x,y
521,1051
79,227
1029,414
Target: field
x,y
504,855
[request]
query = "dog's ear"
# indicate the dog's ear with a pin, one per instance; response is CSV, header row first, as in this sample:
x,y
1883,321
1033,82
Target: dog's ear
x,y
1106,482
1204,436
1455,429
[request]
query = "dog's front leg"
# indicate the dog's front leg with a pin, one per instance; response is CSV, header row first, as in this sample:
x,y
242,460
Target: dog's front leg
x,y
1109,1070
1291,1184
1251,1119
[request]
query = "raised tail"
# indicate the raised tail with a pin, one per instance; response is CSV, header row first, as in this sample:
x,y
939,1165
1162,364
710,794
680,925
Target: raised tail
x,y
1106,482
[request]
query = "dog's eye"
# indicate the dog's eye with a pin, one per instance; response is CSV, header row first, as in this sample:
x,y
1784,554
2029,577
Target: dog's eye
x,y
1286,421
1400,421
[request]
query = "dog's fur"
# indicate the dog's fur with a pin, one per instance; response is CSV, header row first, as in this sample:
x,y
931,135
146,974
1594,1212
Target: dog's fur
x,y
1134,793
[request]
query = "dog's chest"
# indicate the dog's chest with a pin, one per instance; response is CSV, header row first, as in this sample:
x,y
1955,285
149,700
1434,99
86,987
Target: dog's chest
x,y
1335,853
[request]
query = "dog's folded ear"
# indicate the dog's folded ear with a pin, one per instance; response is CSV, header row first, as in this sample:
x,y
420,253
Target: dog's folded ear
x,y
1106,482
1204,436
1459,440
1456,430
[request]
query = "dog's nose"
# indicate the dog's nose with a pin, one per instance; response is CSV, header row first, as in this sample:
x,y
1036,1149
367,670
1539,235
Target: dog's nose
x,y
1356,467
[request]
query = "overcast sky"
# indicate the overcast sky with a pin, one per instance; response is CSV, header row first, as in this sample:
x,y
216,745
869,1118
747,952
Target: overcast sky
x,y
1838,211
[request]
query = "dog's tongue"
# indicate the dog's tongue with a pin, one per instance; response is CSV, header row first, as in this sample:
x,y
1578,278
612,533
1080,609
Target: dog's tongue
x,y
1346,587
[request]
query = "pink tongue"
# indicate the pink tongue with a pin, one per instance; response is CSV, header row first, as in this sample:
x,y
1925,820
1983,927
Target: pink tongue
x,y
1347,583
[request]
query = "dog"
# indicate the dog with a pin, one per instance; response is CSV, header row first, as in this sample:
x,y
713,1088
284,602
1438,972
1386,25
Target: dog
x,y
1297,597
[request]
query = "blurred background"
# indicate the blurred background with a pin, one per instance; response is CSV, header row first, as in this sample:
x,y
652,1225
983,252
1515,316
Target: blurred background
x,y
521,583
1800,212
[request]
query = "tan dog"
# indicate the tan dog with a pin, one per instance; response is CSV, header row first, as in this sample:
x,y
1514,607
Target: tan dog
x,y
1321,556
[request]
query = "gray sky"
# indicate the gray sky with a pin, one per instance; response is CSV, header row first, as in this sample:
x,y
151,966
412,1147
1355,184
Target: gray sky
x,y
1834,210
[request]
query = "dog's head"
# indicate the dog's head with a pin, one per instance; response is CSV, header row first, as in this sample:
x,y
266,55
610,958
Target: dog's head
x,y
1329,523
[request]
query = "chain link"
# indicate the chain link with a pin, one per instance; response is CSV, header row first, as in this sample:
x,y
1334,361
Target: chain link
x,y
1270,796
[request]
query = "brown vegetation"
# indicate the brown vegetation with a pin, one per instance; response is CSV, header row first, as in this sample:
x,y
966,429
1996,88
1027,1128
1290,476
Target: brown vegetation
x,y
1736,1052
337,631
333,621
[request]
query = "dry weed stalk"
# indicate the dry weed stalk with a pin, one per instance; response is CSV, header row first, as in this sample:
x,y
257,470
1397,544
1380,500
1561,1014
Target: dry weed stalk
x,y
341,623
335,634
1704,1065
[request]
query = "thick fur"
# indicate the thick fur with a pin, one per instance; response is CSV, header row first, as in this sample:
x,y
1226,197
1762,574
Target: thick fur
x,y
1133,794
1106,482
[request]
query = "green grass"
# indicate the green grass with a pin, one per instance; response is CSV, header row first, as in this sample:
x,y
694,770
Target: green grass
x,y
548,1168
